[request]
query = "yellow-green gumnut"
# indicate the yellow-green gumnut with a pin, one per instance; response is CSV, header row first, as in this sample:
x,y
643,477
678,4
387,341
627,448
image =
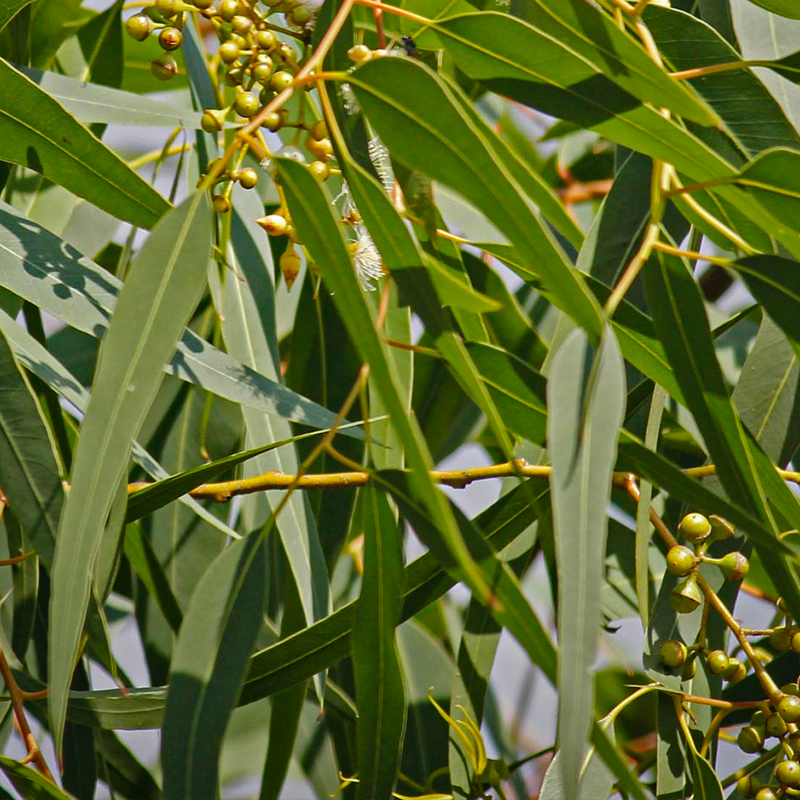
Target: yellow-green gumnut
x,y
673,654
686,596
695,527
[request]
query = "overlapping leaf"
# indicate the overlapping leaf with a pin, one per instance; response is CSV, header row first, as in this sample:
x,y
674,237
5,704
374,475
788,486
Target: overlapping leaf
x,y
37,132
162,289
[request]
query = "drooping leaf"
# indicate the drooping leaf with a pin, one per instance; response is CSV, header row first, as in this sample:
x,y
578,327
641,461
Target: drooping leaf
x,y
563,45
423,126
311,211
29,473
46,271
163,287
744,470
378,675
586,398
218,632
89,102
37,132
31,784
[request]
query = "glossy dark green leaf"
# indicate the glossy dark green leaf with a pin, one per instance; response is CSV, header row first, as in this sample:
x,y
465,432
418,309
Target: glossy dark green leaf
x,y
323,644
376,666
516,389
530,181
311,211
564,45
423,289
37,132
705,782
162,290
688,42
52,372
29,472
596,779
424,127
210,660
156,495
144,562
100,45
586,399
773,180
8,8
744,470
127,775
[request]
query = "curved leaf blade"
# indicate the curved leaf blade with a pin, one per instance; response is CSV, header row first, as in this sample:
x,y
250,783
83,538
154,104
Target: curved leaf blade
x,y
208,665
37,132
586,399
565,44
162,289
423,126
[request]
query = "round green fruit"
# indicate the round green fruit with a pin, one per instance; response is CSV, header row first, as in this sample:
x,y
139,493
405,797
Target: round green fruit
x,y
680,561
241,24
686,597
734,566
717,662
228,9
775,725
299,15
165,7
750,740
695,527
246,104
229,52
262,71
767,793
281,80
210,122
266,40
220,204
748,786
139,27
248,178
780,640
673,654
164,67
234,76
789,708
170,38
735,672
788,773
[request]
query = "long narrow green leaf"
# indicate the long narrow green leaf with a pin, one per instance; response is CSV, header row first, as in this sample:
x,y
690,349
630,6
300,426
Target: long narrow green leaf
x,y
423,126
421,289
37,132
44,270
8,8
745,472
29,783
563,46
45,366
90,102
378,675
163,287
29,474
586,399
218,632
323,644
311,211
248,329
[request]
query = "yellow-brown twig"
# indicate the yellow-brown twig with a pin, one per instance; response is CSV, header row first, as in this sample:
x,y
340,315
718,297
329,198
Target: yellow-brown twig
x,y
17,700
